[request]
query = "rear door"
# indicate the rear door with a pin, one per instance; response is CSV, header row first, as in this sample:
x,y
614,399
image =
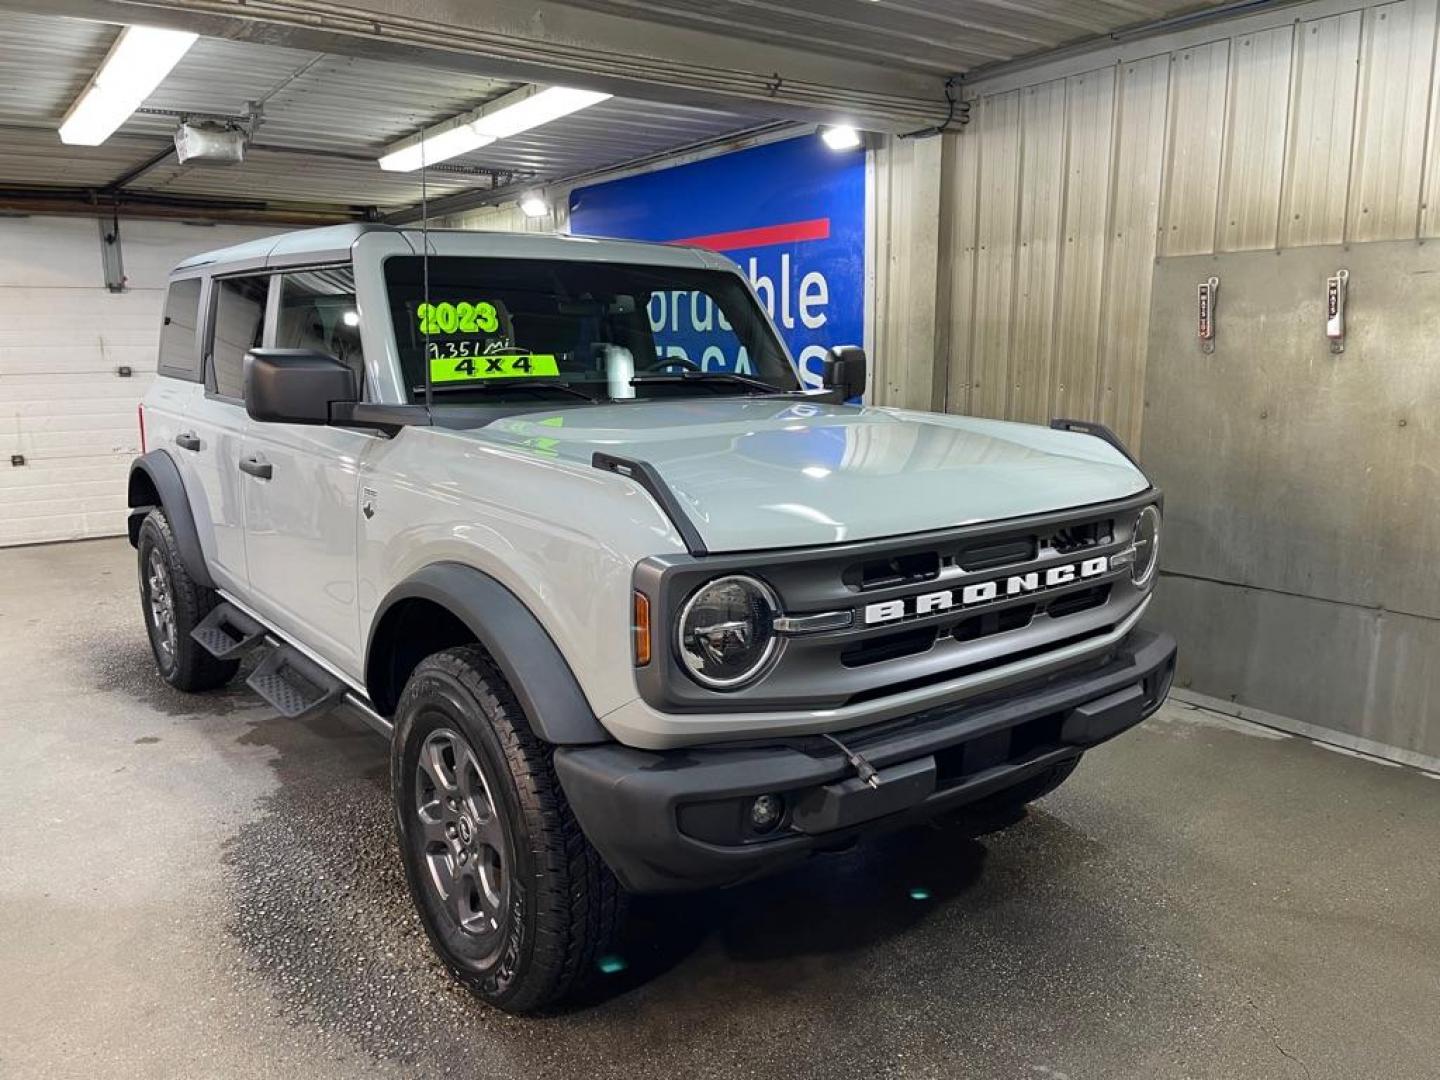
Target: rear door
x,y
301,517
178,380
217,421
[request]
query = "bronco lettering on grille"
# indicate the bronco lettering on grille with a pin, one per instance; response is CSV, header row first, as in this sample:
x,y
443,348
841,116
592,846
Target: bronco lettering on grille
x,y
984,592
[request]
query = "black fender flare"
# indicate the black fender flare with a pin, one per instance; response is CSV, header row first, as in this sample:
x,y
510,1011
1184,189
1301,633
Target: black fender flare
x,y
527,656
164,476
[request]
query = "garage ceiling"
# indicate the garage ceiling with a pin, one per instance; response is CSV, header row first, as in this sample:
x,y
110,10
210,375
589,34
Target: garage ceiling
x,y
948,37
325,120
339,81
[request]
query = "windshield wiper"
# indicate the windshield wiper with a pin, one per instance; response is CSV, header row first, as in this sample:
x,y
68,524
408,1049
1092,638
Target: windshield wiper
x,y
708,376
506,384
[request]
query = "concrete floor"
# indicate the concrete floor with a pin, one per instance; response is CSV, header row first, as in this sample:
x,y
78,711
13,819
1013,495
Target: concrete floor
x,y
192,887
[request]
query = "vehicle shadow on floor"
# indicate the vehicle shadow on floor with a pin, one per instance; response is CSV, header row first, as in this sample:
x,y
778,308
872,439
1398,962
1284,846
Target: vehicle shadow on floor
x,y
832,904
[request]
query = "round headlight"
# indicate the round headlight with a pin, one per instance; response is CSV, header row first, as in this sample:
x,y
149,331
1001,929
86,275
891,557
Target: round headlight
x,y
1145,537
726,631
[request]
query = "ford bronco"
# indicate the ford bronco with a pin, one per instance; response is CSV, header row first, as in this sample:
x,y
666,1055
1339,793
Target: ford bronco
x,y
636,609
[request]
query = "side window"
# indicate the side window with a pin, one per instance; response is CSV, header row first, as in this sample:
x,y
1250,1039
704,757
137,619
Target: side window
x,y
239,327
318,311
179,354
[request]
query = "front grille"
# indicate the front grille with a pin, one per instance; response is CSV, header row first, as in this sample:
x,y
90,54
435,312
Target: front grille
x,y
909,569
974,668
890,647
926,627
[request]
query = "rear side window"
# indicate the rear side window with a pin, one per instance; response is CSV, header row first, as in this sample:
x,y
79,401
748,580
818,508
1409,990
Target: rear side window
x,y
179,350
239,327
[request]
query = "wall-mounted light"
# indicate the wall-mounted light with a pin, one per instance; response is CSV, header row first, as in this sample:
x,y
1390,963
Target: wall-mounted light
x,y
526,108
137,63
841,137
533,204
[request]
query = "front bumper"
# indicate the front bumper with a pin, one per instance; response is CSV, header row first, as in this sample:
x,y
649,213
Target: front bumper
x,y
671,820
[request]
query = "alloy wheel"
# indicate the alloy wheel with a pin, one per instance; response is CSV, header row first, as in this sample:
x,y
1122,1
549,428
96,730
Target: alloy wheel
x,y
462,835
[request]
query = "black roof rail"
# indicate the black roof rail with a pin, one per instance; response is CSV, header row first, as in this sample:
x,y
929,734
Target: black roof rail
x,y
648,477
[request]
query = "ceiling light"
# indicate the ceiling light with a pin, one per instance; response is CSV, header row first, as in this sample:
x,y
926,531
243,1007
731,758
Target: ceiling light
x,y
509,115
435,146
531,107
843,137
534,205
137,63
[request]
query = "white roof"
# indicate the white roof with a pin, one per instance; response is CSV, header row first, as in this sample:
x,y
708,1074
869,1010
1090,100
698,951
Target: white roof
x,y
334,242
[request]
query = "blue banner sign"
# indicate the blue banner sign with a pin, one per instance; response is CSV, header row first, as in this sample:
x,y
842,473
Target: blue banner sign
x,y
791,214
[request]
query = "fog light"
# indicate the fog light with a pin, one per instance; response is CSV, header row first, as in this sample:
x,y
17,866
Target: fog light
x,y
766,812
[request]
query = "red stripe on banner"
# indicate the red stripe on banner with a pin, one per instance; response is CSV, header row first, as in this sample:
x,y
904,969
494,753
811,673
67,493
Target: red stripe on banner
x,y
765,236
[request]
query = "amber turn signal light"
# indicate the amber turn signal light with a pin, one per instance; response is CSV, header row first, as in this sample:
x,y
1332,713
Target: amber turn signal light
x,y
640,627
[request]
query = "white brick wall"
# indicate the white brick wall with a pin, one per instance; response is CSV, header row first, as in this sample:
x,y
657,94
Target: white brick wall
x,y
62,337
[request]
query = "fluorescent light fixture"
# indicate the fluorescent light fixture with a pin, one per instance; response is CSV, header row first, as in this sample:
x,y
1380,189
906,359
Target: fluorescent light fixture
x,y
843,137
434,146
534,205
526,108
137,63
530,107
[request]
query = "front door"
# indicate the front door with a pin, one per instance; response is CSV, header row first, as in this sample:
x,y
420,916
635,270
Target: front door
x,y
300,484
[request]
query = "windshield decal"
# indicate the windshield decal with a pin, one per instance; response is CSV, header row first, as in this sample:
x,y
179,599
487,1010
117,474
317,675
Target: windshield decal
x,y
461,318
448,369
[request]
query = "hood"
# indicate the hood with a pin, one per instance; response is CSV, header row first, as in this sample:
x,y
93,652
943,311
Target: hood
x,y
758,474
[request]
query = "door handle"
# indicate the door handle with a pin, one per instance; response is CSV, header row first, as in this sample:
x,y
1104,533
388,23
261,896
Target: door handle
x,y
255,467
187,440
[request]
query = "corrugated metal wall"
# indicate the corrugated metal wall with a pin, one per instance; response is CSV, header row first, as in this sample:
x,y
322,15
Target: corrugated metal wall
x,y
1303,126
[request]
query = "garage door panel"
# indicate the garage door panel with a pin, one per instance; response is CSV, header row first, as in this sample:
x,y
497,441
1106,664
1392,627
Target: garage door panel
x,y
80,358
61,391
63,404
131,307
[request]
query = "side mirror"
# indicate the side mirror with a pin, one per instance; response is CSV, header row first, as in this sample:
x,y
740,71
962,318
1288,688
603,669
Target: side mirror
x,y
845,372
296,386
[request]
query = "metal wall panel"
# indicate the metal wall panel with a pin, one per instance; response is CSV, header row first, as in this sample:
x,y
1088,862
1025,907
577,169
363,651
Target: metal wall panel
x,y
1140,147
1397,50
997,143
908,371
1254,159
1037,260
1304,475
1198,85
1322,119
1089,177
962,170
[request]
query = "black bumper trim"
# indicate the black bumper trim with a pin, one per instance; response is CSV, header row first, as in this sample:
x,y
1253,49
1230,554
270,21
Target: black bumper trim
x,y
628,801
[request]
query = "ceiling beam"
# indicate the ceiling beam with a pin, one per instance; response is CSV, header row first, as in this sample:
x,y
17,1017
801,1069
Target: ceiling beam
x,y
88,202
547,41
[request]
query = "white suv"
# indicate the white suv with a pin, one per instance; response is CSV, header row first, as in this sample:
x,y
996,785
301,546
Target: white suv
x,y
635,610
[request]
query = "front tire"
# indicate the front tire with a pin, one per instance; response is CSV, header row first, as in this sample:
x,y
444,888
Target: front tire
x,y
174,604
514,899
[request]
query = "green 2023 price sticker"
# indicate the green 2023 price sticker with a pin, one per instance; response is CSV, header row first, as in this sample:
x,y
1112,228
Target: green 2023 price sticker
x,y
453,369
461,318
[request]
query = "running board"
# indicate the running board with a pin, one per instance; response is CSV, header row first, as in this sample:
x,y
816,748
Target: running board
x,y
228,633
294,685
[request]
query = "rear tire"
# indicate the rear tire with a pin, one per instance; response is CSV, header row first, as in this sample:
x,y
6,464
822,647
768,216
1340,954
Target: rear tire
x,y
514,899
173,605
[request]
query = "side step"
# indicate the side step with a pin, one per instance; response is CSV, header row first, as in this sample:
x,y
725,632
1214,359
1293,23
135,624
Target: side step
x,y
294,685
228,633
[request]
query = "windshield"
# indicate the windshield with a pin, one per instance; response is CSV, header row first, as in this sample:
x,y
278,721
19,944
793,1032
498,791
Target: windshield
x,y
497,330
